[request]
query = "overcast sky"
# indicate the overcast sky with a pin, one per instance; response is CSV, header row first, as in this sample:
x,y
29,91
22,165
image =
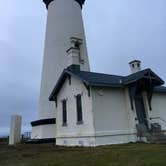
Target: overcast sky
x,y
117,32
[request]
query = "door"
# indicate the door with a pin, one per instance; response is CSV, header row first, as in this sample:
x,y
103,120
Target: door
x,y
140,110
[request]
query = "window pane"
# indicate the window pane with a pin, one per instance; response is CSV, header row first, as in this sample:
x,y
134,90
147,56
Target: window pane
x,y
79,108
64,112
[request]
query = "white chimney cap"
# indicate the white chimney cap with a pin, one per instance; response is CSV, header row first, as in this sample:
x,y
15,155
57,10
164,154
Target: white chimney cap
x,y
135,61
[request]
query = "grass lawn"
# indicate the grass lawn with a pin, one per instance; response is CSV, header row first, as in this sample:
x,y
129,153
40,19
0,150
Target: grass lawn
x,y
116,155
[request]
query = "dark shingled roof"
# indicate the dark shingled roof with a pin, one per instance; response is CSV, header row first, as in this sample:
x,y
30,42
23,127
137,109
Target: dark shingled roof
x,y
136,76
106,80
99,79
160,89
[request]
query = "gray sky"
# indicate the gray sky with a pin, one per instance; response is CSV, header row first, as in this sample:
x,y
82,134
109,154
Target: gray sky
x,y
117,31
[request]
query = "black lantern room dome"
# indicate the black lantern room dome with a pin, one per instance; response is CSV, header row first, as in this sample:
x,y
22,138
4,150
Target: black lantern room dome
x,y
47,2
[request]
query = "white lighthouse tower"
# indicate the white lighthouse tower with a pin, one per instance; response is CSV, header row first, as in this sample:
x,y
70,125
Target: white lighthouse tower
x,y
64,27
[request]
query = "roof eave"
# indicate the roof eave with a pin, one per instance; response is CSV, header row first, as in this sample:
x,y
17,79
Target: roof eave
x,y
107,85
60,83
57,87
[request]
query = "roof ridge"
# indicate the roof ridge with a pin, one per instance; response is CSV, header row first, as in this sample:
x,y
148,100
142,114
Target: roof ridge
x,y
138,72
102,73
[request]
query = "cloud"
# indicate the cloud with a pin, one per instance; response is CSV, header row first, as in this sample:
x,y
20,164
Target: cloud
x,y
19,88
119,31
21,50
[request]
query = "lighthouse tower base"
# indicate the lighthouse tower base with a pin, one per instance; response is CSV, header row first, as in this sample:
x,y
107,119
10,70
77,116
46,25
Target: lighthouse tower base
x,y
43,132
43,129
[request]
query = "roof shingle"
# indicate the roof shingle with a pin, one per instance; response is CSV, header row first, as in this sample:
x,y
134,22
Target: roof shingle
x,y
106,80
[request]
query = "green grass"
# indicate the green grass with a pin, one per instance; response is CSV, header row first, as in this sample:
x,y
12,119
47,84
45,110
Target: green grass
x,y
116,155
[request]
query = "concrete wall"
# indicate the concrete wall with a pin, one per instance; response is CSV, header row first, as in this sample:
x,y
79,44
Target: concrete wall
x,y
112,116
158,109
86,141
43,131
74,134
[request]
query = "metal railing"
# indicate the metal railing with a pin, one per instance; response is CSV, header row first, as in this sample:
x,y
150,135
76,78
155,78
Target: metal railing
x,y
152,118
4,140
26,136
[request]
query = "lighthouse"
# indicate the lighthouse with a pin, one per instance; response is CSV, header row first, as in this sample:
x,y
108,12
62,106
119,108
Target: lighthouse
x,y
78,107
64,30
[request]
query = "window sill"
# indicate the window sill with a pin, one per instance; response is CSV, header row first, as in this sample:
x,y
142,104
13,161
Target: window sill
x,y
80,122
64,125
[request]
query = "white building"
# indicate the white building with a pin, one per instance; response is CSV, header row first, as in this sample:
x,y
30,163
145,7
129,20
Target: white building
x,y
93,109
98,109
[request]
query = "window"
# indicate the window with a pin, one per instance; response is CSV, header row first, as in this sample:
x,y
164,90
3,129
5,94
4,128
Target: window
x,y
79,109
64,112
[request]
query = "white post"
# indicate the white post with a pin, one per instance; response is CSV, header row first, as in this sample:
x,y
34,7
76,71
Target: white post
x,y
15,129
